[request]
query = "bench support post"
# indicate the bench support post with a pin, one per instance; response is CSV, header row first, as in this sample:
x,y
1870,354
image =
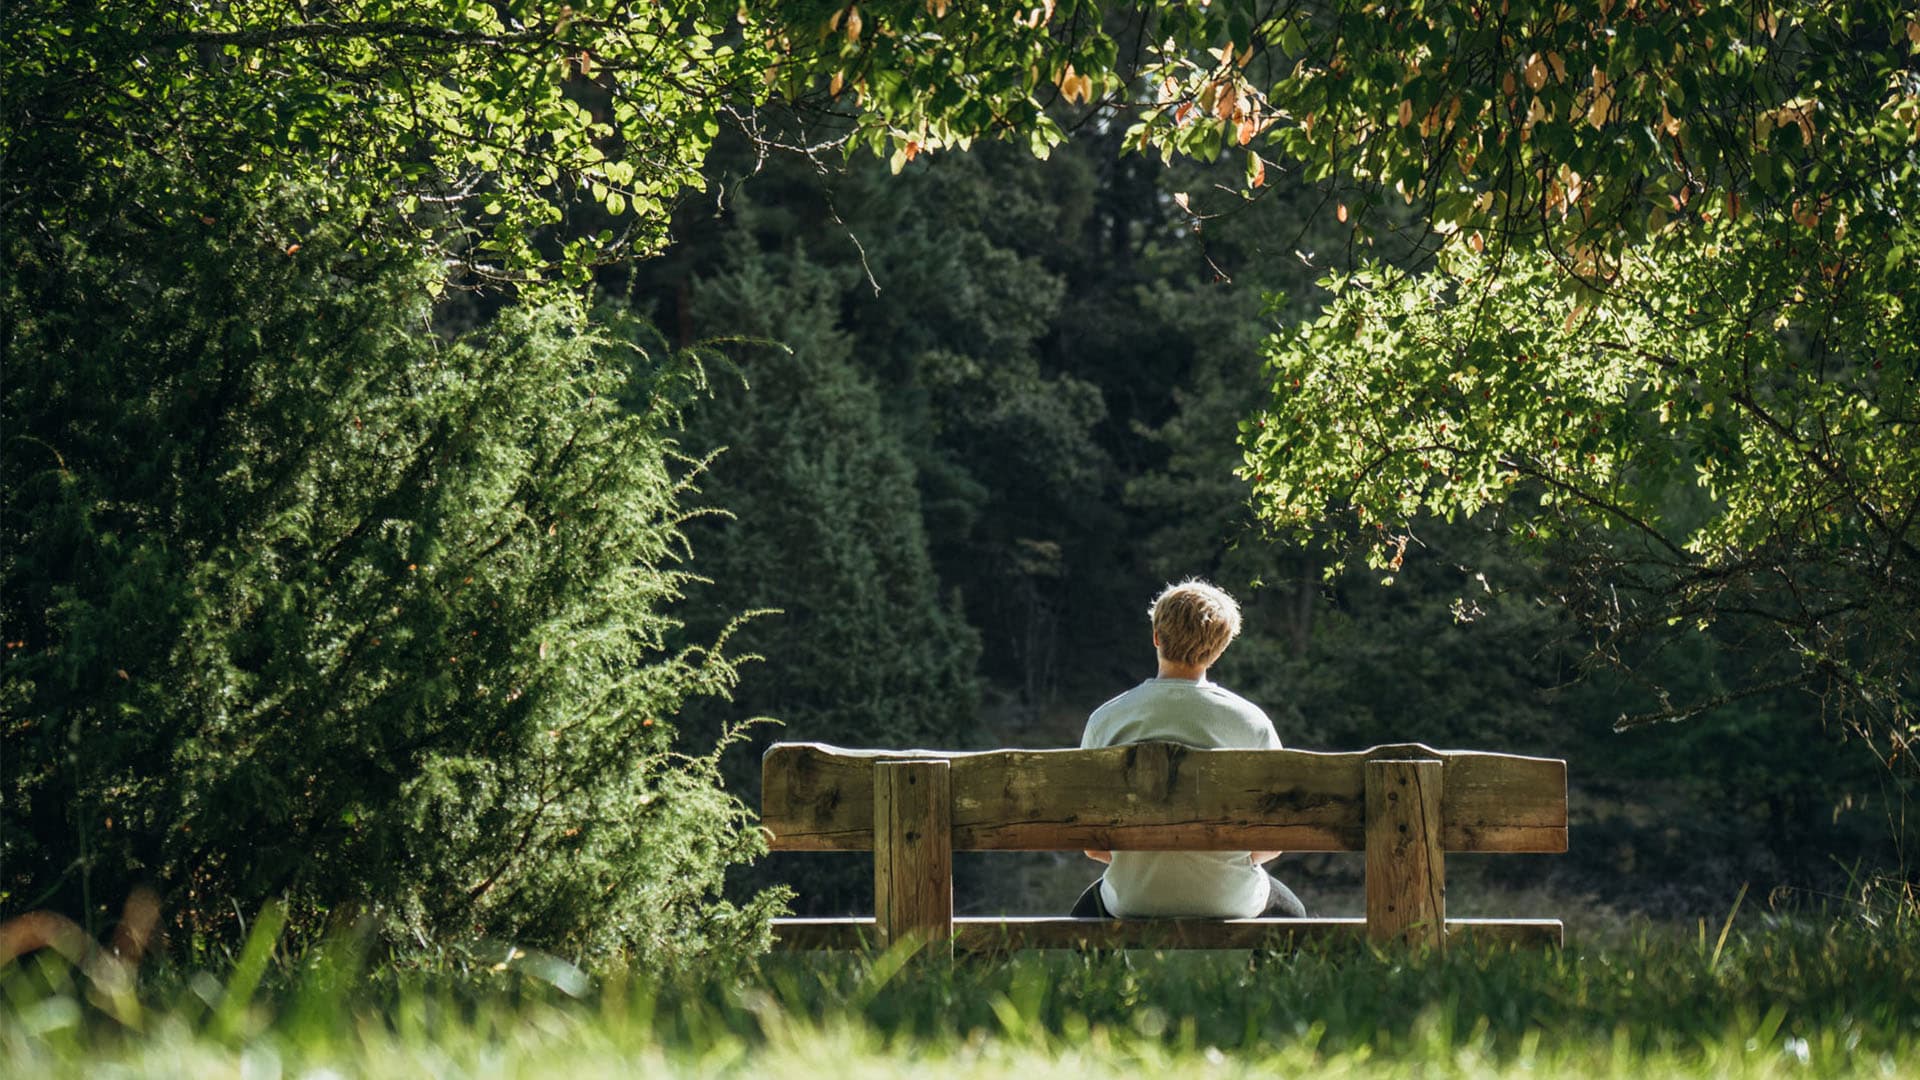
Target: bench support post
x,y
913,851
1406,876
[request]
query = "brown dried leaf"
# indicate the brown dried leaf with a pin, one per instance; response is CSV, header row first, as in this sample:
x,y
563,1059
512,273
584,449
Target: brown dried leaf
x,y
1601,107
1535,72
1227,105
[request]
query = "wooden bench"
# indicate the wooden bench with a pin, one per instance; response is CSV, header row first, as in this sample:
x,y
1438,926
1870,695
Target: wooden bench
x,y
1404,806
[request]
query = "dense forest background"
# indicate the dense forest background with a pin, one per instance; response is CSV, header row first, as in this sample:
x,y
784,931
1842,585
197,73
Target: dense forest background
x,y
969,418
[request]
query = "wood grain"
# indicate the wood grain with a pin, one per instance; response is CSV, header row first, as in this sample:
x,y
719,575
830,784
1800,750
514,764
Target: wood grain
x,y
1406,872
913,850
1163,797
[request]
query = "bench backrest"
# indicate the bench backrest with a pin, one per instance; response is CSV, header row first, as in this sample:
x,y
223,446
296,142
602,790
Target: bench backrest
x,y
1405,806
1162,796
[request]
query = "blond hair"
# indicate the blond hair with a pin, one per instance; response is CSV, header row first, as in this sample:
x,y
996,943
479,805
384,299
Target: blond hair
x,y
1194,622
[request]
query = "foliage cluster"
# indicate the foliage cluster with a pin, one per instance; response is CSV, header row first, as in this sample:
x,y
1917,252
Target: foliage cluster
x,y
1670,338
493,131
1733,441
468,125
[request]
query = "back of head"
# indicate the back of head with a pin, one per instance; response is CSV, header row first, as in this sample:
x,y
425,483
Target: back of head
x,y
1194,621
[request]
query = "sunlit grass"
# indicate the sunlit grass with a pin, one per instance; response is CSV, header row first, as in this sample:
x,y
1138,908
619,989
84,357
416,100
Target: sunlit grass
x,y
1792,999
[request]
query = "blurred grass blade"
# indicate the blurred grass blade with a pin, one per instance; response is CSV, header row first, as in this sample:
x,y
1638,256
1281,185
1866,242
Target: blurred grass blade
x,y
1714,963
885,967
248,971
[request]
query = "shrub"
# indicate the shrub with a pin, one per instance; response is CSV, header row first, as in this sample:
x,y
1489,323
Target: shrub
x,y
303,599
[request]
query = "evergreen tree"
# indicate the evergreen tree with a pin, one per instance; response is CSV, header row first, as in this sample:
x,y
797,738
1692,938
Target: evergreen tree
x,y
822,535
824,521
303,600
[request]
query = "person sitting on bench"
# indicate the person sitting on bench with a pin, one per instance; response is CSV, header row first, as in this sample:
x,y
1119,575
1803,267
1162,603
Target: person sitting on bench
x,y
1193,622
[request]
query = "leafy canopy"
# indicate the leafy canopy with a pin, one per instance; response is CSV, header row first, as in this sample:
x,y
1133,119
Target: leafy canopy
x,y
1666,323
519,138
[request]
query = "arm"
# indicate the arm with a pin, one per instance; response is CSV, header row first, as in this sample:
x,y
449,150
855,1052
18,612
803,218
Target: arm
x,y
1100,856
1258,857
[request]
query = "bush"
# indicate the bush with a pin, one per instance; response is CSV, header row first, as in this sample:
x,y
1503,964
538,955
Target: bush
x,y
304,600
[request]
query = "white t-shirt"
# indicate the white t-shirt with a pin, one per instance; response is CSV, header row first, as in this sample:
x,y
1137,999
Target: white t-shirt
x,y
1214,884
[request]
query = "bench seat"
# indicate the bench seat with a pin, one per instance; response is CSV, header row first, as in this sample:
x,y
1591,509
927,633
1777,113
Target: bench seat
x,y
995,933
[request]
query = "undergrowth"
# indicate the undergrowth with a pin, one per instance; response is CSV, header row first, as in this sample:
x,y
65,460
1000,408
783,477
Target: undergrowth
x,y
1780,997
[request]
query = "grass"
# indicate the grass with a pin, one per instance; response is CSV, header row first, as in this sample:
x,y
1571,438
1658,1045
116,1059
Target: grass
x,y
1838,999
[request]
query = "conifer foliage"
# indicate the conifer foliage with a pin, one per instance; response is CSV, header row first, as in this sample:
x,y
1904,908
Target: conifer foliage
x,y
860,647
304,599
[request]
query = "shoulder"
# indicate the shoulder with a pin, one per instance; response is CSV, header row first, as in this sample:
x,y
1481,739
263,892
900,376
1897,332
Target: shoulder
x,y
1120,700
1100,723
1116,719
1226,698
1246,715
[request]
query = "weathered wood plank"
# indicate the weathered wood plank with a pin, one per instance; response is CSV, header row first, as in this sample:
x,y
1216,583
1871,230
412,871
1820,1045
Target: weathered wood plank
x,y
913,850
1161,797
1000,933
1406,872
